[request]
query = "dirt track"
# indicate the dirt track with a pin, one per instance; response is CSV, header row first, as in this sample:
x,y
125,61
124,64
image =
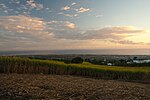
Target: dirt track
x,y
47,87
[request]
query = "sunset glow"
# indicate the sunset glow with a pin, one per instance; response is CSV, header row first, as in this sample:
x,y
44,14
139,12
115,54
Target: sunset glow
x,y
74,24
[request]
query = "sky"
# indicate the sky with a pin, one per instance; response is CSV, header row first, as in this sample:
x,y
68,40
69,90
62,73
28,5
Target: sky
x,y
74,24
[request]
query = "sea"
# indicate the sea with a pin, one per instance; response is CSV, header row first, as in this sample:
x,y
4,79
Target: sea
x,y
79,51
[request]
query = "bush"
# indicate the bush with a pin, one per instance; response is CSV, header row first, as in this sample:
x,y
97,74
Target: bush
x,y
77,60
67,61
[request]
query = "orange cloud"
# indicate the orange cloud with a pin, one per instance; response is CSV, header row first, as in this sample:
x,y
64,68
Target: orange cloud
x,y
25,25
70,25
82,10
118,34
66,8
33,4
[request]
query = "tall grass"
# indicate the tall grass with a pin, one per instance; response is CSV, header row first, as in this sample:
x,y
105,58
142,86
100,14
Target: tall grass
x,y
32,66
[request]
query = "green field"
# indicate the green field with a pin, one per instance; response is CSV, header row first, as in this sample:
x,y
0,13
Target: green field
x,y
33,66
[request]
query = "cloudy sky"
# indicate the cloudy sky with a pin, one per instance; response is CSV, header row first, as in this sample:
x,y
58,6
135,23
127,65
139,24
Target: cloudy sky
x,y
74,24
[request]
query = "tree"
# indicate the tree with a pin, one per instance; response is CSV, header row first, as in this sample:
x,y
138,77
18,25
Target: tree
x,y
77,60
135,58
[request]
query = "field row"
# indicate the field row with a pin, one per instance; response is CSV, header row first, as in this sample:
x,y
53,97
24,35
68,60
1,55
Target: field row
x,y
32,66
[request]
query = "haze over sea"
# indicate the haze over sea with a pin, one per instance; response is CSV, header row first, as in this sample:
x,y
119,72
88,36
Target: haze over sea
x,y
85,51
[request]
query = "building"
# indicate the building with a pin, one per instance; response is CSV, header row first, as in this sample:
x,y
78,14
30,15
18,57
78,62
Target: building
x,y
141,61
109,64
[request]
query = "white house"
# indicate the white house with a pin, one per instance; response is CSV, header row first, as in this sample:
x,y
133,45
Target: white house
x,y
109,64
141,61
146,61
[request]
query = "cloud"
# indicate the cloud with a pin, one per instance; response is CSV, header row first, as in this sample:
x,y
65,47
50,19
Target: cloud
x,y
123,29
4,8
73,10
25,26
68,15
23,30
15,1
66,8
71,15
70,25
33,4
126,42
21,8
67,34
74,3
82,10
148,43
60,25
21,22
115,33
33,28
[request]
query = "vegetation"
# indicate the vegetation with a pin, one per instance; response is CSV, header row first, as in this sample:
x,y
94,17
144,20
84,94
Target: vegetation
x,y
121,62
32,66
77,60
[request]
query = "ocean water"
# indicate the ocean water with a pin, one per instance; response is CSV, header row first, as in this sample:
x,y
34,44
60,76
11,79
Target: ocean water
x,y
95,52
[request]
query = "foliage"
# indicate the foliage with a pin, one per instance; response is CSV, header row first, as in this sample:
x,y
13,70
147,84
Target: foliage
x,y
120,62
34,66
77,60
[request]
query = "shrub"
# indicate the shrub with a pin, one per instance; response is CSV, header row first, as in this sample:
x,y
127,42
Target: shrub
x,y
77,60
67,61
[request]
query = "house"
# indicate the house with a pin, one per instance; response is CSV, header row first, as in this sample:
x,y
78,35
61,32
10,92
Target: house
x,y
141,61
146,61
109,64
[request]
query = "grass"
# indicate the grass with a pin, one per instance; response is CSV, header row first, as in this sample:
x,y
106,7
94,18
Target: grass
x,y
33,66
